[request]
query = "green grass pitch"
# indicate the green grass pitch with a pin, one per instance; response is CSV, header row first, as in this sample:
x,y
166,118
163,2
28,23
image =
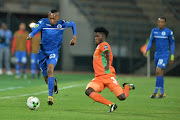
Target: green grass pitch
x,y
72,104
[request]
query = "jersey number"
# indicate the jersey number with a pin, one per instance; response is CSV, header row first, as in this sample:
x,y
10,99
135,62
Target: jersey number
x,y
114,80
52,56
160,61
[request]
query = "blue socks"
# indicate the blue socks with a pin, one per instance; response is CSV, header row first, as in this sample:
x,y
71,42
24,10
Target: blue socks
x,y
159,84
18,69
50,85
33,68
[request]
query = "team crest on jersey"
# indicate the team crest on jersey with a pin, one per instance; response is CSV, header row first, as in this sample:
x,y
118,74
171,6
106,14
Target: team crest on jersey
x,y
59,26
163,33
105,46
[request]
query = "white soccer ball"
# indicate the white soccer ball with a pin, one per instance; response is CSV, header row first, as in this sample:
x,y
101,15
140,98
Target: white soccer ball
x,y
33,103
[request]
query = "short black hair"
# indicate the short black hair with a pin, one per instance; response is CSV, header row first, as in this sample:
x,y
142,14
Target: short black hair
x,y
162,18
53,11
102,30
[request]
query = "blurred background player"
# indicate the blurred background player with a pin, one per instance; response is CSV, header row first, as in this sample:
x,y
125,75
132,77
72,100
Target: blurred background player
x,y
5,39
105,72
34,54
52,36
162,36
20,47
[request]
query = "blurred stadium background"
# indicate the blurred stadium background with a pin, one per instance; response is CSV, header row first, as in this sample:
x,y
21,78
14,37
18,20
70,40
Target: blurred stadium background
x,y
129,22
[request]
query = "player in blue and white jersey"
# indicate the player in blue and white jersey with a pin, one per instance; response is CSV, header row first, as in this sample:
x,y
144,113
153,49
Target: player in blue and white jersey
x,y
163,38
52,36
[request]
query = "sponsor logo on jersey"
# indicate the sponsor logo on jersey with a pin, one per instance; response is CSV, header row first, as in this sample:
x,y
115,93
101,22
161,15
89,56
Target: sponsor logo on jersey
x,y
36,25
155,32
163,33
48,24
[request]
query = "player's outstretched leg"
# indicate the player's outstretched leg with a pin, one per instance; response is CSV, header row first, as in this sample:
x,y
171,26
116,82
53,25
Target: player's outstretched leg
x,y
50,82
55,86
125,91
91,92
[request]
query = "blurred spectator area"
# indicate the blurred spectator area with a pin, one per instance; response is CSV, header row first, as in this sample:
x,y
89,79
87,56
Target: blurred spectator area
x,y
128,21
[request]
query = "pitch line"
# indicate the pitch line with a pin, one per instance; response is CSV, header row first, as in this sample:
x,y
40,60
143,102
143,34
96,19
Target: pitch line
x,y
11,88
38,93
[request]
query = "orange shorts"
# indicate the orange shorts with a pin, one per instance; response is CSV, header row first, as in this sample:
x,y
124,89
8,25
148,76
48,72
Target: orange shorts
x,y
108,80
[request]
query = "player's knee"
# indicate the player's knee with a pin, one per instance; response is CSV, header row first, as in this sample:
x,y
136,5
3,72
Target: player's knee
x,y
49,71
121,97
89,91
159,71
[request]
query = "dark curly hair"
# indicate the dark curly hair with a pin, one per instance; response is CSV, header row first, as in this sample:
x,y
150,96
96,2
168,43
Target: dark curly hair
x,y
102,30
162,18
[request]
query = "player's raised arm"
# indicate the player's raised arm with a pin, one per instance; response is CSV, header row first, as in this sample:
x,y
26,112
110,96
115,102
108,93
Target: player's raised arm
x,y
73,25
37,27
172,41
150,42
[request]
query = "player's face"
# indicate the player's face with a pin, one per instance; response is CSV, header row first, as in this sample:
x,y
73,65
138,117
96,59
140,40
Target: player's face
x,y
98,37
4,27
161,23
22,26
53,18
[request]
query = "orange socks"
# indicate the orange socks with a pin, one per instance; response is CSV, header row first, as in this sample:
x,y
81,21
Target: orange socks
x,y
99,98
126,90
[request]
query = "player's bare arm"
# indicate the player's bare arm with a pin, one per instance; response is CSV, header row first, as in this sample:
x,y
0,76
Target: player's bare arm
x,y
106,55
73,41
145,53
29,38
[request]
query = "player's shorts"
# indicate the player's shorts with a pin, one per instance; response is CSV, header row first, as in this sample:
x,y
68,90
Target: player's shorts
x,y
34,58
45,59
161,61
107,80
21,57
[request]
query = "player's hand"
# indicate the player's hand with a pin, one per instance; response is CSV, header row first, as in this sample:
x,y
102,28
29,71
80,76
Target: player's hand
x,y
106,67
145,53
29,38
172,59
73,41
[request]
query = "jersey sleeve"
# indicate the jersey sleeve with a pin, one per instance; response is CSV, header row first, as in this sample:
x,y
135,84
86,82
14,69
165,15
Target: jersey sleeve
x,y
104,47
71,24
151,38
13,43
39,25
172,41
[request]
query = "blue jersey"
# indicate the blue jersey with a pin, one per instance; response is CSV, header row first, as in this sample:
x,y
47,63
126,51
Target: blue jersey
x,y
162,39
5,37
52,36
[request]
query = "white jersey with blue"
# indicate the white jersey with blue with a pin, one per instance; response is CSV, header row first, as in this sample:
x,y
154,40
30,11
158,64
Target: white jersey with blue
x,y
162,39
52,36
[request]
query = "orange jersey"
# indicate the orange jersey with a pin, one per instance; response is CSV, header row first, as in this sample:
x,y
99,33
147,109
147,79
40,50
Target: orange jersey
x,y
19,41
99,61
35,43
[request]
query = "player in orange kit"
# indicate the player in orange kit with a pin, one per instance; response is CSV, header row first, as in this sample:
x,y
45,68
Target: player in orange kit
x,y
105,72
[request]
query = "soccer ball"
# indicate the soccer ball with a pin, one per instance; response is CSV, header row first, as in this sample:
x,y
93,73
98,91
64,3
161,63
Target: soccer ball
x,y
33,103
